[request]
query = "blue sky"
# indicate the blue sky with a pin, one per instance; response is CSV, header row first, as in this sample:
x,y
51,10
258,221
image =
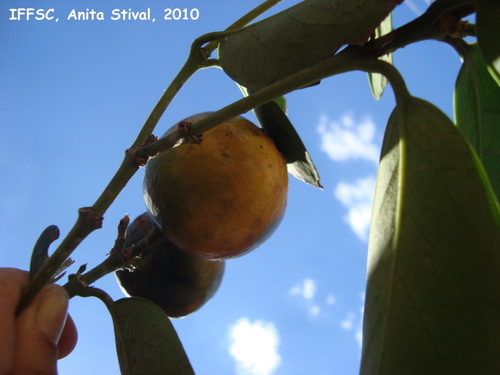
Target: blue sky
x,y
73,95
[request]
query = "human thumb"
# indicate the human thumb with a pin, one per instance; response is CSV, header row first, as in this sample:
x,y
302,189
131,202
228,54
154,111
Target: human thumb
x,y
52,313
39,328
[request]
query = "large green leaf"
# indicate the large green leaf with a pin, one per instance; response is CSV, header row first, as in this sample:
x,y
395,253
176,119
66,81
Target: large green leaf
x,y
298,37
146,341
477,112
433,292
377,81
488,34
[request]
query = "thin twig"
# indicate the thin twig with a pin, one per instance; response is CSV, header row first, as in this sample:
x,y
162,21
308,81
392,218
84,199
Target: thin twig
x,y
118,258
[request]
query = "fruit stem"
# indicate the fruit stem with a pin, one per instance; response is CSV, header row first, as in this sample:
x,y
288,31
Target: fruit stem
x,y
388,70
118,258
350,59
99,293
427,26
194,62
76,283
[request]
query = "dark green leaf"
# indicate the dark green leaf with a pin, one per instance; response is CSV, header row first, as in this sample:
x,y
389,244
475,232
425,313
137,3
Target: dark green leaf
x,y
298,37
488,34
477,112
146,341
433,292
377,81
41,250
278,126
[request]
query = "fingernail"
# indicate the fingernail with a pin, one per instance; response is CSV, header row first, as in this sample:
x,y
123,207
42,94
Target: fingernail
x,y
52,313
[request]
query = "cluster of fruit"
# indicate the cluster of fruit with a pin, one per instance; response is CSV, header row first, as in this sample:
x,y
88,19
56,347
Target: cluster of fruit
x,y
212,201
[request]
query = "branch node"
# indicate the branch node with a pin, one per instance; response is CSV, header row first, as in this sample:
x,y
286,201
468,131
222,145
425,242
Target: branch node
x,y
122,227
78,284
88,215
140,161
187,133
452,26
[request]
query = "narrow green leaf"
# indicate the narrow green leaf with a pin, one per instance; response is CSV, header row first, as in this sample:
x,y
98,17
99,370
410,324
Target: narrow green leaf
x,y
433,292
377,81
146,341
298,37
281,101
488,34
278,126
477,112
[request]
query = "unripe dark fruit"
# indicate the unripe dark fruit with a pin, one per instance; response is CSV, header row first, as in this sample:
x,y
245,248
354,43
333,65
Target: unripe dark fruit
x,y
175,281
221,198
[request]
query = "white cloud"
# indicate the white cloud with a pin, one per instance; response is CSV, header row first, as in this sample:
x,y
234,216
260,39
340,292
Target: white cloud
x,y
359,335
255,347
348,322
359,329
315,310
306,290
352,322
358,199
345,140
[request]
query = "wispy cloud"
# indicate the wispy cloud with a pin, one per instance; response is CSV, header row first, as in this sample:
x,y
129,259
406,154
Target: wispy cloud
x,y
358,198
354,322
359,330
345,139
330,299
324,308
414,7
306,290
348,322
254,347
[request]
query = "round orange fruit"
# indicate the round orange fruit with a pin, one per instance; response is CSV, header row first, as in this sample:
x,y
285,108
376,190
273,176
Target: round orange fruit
x,y
221,198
